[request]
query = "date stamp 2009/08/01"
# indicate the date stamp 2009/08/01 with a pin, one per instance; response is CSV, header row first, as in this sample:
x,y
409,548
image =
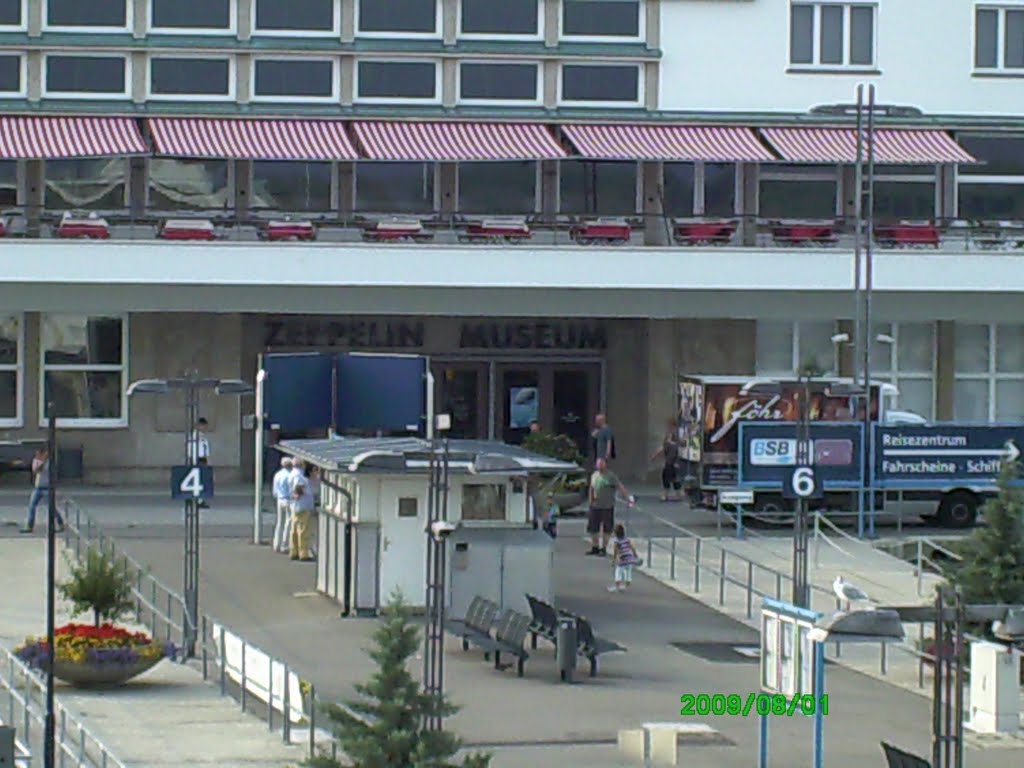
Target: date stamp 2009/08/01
x,y
753,704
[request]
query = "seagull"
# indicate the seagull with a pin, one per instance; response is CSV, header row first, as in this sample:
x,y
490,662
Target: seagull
x,y
848,592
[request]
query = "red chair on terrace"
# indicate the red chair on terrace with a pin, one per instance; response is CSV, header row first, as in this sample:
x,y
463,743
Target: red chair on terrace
x,y
804,233
908,234
397,230
91,227
188,229
287,229
606,231
508,230
703,232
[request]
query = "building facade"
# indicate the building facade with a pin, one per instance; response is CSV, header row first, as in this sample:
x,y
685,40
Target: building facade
x,y
712,134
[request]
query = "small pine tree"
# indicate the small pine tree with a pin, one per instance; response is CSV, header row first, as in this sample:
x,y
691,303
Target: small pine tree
x,y
394,706
100,584
992,569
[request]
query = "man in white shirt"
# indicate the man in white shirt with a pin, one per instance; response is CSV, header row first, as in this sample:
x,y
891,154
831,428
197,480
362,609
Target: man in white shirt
x,y
282,495
302,515
199,449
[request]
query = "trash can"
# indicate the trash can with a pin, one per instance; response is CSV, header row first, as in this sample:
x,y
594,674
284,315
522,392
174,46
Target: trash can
x,y
6,746
565,648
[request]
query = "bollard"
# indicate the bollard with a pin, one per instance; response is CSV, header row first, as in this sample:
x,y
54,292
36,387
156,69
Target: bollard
x,y
565,648
312,720
750,586
286,707
778,585
206,655
6,746
721,580
672,563
696,567
884,660
650,553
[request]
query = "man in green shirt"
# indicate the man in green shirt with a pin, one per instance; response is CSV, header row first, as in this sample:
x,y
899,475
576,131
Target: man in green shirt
x,y
601,516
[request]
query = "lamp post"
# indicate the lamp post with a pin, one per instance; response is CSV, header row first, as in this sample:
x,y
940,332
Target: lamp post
x,y
49,738
437,532
191,384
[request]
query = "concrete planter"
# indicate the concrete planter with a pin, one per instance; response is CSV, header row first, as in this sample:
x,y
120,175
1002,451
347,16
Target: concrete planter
x,y
89,674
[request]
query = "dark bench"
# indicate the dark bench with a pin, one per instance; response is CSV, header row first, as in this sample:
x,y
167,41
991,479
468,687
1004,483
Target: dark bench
x,y
544,621
545,624
478,621
897,758
509,637
591,646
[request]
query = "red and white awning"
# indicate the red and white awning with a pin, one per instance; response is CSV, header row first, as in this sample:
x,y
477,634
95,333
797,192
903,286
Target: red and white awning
x,y
892,146
52,138
457,142
686,143
252,139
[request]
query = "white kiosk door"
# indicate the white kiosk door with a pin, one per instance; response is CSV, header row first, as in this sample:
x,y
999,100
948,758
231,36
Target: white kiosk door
x,y
403,541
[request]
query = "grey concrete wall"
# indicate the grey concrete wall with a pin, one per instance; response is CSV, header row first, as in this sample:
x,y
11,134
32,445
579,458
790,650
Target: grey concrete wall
x,y
140,18
626,390
945,369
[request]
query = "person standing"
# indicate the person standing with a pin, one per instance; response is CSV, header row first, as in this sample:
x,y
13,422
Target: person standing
x,y
603,438
625,557
199,450
40,490
669,452
282,529
302,513
601,516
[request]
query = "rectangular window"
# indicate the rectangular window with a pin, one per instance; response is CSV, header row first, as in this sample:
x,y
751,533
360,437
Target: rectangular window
x,y
908,362
989,372
86,184
188,185
602,189
12,14
397,80
986,38
9,183
308,16
395,187
483,502
498,188
11,71
498,82
90,14
999,39
401,17
192,16
785,348
203,78
601,84
993,190
798,192
84,368
700,189
294,79
408,507
85,76
601,18
11,349
832,34
508,18
292,187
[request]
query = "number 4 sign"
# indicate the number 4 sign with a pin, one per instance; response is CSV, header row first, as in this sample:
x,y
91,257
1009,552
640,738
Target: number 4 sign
x,y
191,482
802,484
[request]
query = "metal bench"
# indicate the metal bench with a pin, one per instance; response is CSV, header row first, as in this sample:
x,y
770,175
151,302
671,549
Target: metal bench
x,y
897,758
478,621
544,622
591,646
509,637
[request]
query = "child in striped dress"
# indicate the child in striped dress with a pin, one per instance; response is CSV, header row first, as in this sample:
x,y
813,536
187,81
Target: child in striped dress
x,y
624,556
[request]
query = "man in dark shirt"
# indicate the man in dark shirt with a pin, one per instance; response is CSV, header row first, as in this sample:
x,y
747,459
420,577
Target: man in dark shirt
x,y
603,439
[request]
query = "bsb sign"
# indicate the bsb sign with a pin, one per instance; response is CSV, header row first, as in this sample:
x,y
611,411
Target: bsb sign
x,y
944,454
768,454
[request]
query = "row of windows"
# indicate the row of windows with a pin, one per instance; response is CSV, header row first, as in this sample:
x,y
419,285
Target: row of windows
x,y
319,80
522,19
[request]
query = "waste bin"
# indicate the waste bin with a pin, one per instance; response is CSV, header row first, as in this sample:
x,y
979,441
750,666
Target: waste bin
x,y
6,746
70,462
565,648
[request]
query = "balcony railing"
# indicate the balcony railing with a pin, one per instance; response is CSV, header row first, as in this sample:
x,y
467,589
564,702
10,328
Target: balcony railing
x,y
566,230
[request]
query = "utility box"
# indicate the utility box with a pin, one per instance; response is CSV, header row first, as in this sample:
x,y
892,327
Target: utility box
x,y
995,688
6,746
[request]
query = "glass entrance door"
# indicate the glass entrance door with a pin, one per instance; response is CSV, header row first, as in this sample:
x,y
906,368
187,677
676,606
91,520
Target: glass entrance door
x,y
520,395
574,400
460,389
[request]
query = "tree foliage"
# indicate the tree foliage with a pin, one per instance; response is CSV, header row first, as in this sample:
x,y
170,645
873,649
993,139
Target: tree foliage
x,y
99,583
561,447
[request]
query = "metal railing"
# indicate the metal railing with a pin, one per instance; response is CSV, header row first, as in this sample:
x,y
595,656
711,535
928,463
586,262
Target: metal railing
x,y
22,703
156,606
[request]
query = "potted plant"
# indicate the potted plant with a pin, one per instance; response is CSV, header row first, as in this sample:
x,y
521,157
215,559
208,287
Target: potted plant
x,y
568,488
100,653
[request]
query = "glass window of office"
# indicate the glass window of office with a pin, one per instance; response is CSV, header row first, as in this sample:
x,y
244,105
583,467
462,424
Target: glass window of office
x,y
395,187
904,355
798,192
402,17
598,188
189,185
498,188
9,182
700,189
296,16
301,79
989,372
86,184
481,81
104,14
993,190
484,502
12,13
85,368
396,80
785,347
508,18
11,82
192,15
601,18
86,76
11,350
999,39
617,84
205,78
291,186
832,34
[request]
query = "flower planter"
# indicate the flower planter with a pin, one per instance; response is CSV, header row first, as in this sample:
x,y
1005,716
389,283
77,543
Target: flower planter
x,y
89,674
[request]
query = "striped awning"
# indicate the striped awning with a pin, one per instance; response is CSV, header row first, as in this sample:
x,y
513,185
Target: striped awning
x,y
252,139
688,143
892,146
51,138
456,142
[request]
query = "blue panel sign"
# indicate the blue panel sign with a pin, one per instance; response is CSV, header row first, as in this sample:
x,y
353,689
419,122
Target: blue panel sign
x,y
940,455
191,482
386,393
298,392
768,454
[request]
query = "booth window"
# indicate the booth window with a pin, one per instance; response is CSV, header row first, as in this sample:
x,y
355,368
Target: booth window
x,y
11,346
85,367
408,507
484,502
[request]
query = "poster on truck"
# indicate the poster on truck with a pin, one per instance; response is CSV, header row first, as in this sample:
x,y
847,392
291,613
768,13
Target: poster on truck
x,y
691,414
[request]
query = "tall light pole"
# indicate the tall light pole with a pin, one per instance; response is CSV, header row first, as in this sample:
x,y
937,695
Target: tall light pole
x,y
50,724
437,544
191,384
868,213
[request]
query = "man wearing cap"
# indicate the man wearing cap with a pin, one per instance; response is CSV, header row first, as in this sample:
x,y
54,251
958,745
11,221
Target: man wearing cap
x,y
282,495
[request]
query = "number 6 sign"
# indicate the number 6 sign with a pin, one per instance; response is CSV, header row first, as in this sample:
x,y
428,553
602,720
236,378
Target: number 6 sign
x,y
802,484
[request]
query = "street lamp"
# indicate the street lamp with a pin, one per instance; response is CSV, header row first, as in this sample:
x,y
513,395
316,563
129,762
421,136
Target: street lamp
x,y
438,530
50,723
191,384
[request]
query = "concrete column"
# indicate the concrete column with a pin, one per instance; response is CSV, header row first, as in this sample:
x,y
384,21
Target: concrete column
x,y
552,22
450,21
139,75
34,75
243,78
243,187
348,21
448,186
653,23
662,362
449,82
348,80
246,18
652,189
137,181
140,18
32,385
346,175
35,18
846,351
945,369
550,84
946,182
848,190
35,187
549,189
747,200
651,80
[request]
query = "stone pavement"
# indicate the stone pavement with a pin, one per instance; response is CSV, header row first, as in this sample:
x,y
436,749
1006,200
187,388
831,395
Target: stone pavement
x,y
166,717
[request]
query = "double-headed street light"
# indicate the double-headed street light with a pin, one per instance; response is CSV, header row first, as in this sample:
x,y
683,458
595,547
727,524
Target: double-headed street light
x,y
191,384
